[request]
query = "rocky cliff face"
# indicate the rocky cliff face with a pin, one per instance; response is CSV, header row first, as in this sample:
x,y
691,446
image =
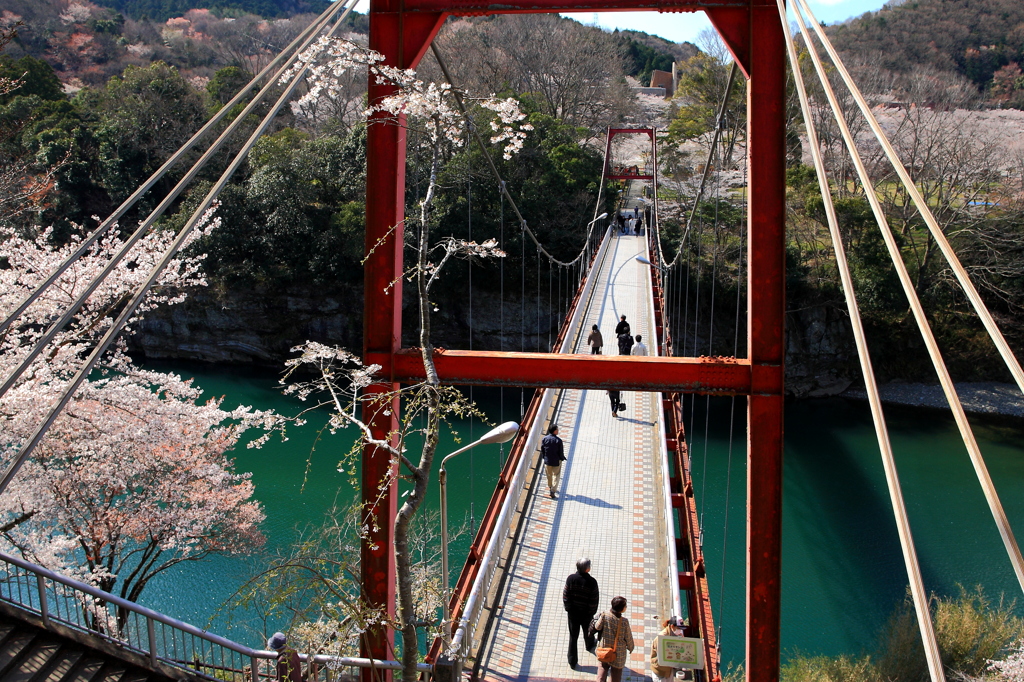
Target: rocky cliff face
x,y
249,327
821,358
260,327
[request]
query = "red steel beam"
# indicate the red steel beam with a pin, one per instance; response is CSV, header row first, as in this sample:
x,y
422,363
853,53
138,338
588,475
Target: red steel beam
x,y
649,132
401,30
402,40
766,310
724,376
485,7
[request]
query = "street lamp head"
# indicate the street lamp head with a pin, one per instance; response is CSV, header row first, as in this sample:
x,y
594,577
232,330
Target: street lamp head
x,y
500,434
603,215
643,260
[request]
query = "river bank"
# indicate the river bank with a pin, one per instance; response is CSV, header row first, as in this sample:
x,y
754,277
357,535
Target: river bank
x,y
985,397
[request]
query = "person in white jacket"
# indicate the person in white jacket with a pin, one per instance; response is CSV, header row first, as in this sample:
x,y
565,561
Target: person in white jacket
x,y
639,348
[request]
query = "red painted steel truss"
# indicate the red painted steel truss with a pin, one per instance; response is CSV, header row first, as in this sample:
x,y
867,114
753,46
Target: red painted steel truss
x,y
402,30
616,172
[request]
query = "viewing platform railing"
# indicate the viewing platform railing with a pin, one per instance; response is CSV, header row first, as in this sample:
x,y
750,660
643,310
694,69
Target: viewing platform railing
x,y
151,639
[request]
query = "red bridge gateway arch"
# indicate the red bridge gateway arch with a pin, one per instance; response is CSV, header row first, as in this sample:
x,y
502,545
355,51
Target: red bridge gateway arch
x,y
402,30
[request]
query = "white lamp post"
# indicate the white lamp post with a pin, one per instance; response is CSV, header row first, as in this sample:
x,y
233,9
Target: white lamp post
x,y
499,434
643,260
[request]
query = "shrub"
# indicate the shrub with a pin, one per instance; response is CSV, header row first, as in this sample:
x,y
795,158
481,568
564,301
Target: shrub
x,y
827,669
970,632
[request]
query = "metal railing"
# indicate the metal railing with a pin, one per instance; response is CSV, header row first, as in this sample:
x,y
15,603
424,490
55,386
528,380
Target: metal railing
x,y
62,601
475,581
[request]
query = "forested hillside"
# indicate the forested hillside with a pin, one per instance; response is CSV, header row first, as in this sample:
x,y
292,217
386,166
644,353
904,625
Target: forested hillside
x,y
87,44
979,40
161,10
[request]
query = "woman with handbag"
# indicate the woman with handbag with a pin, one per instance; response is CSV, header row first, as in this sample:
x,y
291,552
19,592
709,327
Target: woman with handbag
x,y
615,643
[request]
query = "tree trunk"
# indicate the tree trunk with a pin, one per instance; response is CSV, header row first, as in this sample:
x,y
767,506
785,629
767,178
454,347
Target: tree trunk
x,y
421,473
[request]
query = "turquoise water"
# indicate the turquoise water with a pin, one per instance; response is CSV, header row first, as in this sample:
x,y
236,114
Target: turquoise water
x,y
842,567
298,484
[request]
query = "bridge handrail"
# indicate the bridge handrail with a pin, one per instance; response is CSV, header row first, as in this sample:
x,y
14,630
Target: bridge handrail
x,y
670,532
473,605
118,629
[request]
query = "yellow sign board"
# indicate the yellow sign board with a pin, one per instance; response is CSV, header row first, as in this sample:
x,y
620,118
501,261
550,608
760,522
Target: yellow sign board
x,y
681,652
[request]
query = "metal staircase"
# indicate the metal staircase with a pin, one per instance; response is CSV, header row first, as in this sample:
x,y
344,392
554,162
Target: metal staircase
x,y
30,654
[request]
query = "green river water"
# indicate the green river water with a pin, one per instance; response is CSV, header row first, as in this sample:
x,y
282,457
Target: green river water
x,y
843,571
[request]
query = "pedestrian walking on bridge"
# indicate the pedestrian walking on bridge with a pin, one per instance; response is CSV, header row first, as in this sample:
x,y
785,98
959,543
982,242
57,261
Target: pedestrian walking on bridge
x,y
552,452
615,635
622,333
580,597
640,348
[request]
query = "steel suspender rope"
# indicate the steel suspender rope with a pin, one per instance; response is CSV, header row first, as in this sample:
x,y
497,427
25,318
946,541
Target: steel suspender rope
x,y
714,143
918,593
538,344
87,243
522,306
981,470
494,169
143,228
922,206
501,300
469,271
549,305
732,430
140,294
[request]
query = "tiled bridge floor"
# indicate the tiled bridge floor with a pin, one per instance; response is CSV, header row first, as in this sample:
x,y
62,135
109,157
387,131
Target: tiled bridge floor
x,y
606,509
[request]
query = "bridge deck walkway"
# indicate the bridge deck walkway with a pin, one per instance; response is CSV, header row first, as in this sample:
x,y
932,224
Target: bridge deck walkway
x,y
609,508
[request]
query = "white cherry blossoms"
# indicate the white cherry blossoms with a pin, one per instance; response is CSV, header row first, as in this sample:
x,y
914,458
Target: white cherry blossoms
x,y
434,104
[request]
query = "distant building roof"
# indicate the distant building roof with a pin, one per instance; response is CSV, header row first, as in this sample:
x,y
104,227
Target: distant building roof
x,y
662,79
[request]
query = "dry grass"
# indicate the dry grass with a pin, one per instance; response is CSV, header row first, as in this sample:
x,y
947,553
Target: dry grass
x,y
970,630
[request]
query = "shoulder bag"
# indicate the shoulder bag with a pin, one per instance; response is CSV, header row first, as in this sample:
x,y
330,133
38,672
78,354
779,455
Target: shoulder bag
x,y
606,654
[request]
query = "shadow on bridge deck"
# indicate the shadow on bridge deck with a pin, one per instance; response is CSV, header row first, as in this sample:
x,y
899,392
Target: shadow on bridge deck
x,y
610,508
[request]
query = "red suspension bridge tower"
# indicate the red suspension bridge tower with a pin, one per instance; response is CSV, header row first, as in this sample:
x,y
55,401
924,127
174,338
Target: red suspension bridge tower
x,y
402,30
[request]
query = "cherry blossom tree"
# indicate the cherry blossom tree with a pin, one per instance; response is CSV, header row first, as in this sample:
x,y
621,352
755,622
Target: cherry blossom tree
x,y
133,477
434,110
1011,669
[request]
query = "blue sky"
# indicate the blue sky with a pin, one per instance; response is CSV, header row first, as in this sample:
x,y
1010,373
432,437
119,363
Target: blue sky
x,y
680,27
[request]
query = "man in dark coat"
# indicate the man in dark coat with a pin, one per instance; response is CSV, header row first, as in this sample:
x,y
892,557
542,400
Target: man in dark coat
x,y
551,452
580,597
623,335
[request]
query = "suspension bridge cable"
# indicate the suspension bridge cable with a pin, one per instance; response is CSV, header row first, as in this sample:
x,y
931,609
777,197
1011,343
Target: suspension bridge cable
x,y
497,175
919,595
719,119
86,244
145,225
130,308
966,433
926,213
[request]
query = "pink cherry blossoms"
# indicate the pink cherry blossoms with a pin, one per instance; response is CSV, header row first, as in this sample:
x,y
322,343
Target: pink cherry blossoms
x,y
133,477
